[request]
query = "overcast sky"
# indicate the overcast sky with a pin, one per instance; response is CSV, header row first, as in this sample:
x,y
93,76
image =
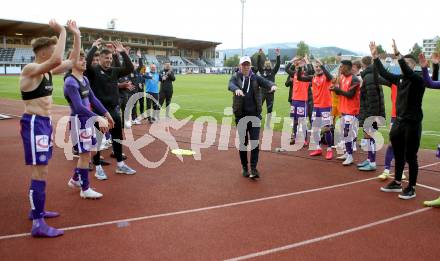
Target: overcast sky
x,y
344,23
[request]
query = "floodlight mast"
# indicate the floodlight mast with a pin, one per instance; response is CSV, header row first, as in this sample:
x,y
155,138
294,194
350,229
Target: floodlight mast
x,y
242,24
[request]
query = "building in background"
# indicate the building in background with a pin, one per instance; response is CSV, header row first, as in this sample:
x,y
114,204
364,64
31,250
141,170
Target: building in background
x,y
429,46
185,55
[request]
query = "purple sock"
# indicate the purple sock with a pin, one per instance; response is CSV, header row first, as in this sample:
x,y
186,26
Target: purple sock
x,y
349,147
372,150
75,176
389,157
328,138
37,197
438,151
348,144
84,178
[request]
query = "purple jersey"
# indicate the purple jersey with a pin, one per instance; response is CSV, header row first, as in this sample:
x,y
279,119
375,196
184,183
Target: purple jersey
x,y
81,97
36,132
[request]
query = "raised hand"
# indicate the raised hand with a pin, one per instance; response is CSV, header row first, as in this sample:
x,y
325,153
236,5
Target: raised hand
x,y
277,51
55,26
423,61
273,88
260,51
73,28
111,47
138,53
373,49
97,43
435,58
127,49
119,47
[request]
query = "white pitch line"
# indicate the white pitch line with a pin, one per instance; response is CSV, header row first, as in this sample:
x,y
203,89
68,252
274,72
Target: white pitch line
x,y
322,238
198,209
205,208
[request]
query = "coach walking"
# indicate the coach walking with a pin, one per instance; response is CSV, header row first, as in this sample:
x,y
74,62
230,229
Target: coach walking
x,y
247,103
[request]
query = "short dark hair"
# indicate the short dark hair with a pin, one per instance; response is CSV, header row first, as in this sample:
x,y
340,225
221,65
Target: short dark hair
x,y
43,42
105,51
410,56
347,63
97,53
367,60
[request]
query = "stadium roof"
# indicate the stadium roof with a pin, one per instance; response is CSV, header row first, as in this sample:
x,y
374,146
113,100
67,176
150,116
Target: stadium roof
x,y
31,29
12,27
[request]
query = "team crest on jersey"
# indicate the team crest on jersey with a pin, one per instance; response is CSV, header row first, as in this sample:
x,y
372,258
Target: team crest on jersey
x,y
325,115
300,110
42,143
85,135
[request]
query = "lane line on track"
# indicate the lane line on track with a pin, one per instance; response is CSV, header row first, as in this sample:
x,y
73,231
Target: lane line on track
x,y
329,236
196,210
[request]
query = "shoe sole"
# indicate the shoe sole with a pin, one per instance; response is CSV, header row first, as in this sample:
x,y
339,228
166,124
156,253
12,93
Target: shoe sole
x,y
391,190
361,166
93,198
99,178
73,186
121,172
407,197
366,169
347,164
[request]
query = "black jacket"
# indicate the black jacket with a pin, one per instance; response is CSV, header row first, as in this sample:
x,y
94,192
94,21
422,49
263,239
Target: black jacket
x,y
289,84
410,91
167,84
104,83
269,74
371,95
257,82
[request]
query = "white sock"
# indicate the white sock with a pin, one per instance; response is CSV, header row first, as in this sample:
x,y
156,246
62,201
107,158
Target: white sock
x,y
387,171
98,167
121,164
373,164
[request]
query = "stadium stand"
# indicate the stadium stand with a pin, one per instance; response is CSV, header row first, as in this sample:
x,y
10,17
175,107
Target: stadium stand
x,y
7,54
188,62
16,51
151,59
162,59
23,55
177,61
